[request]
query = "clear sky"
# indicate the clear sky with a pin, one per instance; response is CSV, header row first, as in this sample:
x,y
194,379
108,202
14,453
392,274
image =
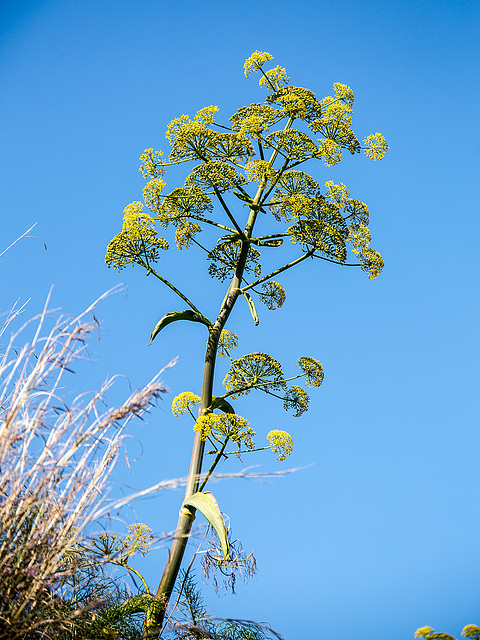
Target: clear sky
x,y
381,533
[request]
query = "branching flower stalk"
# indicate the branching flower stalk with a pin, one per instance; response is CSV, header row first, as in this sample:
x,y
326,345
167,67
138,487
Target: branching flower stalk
x,y
231,169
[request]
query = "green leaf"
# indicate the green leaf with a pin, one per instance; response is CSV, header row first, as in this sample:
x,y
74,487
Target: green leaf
x,y
241,196
205,502
251,305
173,316
222,404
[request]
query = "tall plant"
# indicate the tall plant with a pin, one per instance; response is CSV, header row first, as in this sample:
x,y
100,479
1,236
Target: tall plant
x,y
247,167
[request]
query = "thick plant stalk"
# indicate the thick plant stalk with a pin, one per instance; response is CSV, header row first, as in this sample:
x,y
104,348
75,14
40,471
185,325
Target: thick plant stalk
x,y
187,514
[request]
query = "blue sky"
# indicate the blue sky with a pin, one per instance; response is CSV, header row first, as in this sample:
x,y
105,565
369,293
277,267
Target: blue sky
x,y
380,534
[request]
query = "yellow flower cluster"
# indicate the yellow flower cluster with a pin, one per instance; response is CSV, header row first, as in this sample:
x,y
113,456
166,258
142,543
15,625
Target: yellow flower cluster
x,y
253,120
344,93
257,370
337,192
293,144
273,295
297,102
297,399
339,111
375,146
137,242
224,259
152,164
228,340
138,539
255,61
185,234
113,546
182,202
205,115
313,371
295,196
184,403
274,79
325,237
330,151
221,425
280,442
372,261
232,146
259,170
215,174
152,194
356,211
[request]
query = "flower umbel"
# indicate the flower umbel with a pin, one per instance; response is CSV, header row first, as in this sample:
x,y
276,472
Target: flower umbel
x,y
255,61
375,146
281,442
255,370
137,242
313,371
184,403
221,425
297,399
228,340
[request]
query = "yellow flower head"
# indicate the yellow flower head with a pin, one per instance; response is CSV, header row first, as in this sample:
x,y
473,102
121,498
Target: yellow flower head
x,y
333,108
423,632
137,242
221,425
205,115
185,234
182,202
297,102
253,120
471,631
356,211
273,295
255,62
294,144
184,403
138,540
344,93
296,399
215,174
330,151
280,442
313,371
274,79
338,193
254,370
259,170
372,261
375,146
152,194
228,340
152,164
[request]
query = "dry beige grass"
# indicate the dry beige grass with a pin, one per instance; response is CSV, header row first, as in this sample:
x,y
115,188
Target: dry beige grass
x,y
54,462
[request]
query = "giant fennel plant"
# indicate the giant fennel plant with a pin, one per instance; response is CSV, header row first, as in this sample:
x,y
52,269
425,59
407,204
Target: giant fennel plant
x,y
248,167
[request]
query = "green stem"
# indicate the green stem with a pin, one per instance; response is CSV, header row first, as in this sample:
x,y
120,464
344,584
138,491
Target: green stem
x,y
277,271
129,568
227,211
218,457
170,285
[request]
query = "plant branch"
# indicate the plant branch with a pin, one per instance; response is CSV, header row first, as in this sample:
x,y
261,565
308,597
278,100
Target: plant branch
x,y
218,457
277,271
170,285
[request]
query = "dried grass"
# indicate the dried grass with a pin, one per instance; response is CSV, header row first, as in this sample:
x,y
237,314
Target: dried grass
x,y
55,459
